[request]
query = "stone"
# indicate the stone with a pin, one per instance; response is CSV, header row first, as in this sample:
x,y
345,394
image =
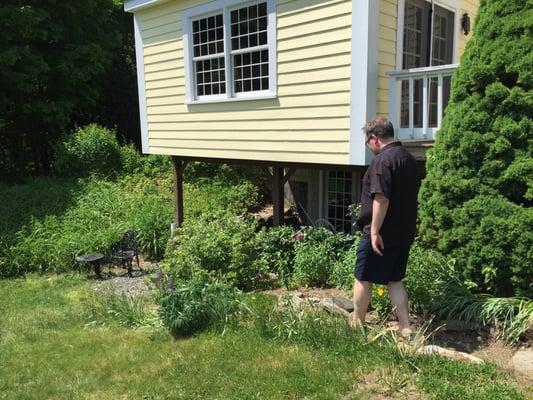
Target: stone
x,y
343,303
452,354
522,362
372,318
329,305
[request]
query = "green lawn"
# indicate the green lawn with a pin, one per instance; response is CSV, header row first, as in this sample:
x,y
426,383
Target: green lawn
x,y
47,351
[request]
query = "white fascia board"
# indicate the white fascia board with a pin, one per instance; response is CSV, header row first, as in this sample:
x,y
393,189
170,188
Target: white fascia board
x,y
139,56
135,5
364,75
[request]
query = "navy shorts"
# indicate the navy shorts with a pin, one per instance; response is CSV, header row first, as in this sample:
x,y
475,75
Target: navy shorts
x,y
390,267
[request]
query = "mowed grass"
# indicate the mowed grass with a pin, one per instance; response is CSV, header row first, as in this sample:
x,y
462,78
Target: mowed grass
x,y
47,351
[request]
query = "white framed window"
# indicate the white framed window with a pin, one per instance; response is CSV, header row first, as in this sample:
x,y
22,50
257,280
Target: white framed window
x,y
340,194
230,51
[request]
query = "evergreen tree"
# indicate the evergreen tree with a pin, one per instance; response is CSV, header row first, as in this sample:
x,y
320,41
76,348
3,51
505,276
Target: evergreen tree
x,y
475,203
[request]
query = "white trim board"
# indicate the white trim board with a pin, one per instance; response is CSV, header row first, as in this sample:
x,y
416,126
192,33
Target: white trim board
x,y
135,5
139,57
364,75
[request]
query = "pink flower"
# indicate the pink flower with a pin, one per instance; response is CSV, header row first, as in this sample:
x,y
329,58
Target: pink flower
x,y
298,235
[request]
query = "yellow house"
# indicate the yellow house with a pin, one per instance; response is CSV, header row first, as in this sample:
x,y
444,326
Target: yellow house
x,y
290,83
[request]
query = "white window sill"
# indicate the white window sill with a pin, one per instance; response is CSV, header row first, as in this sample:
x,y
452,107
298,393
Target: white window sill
x,y
232,99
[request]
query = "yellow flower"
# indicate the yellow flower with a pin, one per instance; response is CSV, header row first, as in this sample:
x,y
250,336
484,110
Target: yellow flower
x,y
379,291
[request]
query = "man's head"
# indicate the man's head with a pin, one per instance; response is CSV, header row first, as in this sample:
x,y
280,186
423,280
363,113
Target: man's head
x,y
378,132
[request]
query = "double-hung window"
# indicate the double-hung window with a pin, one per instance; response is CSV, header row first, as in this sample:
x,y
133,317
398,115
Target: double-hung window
x,y
229,49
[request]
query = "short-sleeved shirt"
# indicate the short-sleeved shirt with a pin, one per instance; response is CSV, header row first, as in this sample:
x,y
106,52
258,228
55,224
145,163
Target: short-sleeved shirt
x,y
394,173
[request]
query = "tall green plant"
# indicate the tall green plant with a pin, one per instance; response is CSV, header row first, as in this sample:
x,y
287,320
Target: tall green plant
x,y
475,203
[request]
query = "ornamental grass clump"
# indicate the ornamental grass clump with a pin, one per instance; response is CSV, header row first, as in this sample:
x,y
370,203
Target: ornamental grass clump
x,y
475,203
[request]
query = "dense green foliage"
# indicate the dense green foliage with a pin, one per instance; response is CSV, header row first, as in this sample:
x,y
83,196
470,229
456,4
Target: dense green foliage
x,y
90,150
197,304
62,63
477,197
225,246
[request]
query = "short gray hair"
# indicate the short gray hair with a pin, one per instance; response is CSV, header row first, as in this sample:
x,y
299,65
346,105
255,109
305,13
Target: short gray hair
x,y
379,126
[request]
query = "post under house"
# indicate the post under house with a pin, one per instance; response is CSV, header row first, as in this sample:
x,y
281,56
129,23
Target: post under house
x,y
178,166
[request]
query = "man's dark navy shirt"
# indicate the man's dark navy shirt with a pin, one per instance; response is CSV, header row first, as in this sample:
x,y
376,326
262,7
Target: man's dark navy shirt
x,y
394,173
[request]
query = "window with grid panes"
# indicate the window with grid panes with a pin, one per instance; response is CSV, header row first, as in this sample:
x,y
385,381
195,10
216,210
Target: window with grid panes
x,y
231,52
340,196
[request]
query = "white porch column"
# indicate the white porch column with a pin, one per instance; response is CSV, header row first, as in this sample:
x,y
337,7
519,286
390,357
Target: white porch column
x,y
364,75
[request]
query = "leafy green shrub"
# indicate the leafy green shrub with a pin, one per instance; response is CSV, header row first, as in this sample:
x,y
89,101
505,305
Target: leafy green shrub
x,y
217,198
278,251
197,304
151,165
90,149
342,275
152,221
226,246
476,200
428,279
317,251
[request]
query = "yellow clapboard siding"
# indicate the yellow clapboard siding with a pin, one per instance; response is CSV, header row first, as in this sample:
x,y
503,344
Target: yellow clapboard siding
x,y
284,8
309,121
387,33
268,114
162,30
168,8
312,27
328,99
383,83
328,48
314,76
330,86
383,107
387,21
387,8
161,57
294,136
170,73
175,45
261,155
315,14
171,17
165,83
322,147
163,65
387,46
165,37
325,61
387,58
318,123
315,39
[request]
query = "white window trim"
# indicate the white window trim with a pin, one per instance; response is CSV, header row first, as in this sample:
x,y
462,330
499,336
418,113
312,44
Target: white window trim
x,y
451,5
226,6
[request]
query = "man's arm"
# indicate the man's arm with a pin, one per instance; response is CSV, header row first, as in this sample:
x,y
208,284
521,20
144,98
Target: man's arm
x,y
380,204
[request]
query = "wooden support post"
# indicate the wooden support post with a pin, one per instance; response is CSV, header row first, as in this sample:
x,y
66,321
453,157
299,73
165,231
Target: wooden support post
x,y
277,195
177,172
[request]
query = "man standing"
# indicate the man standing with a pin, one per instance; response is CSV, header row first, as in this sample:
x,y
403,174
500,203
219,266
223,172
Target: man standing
x,y
387,219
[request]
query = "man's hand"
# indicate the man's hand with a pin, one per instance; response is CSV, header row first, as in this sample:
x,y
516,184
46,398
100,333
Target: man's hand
x,y
377,244
379,210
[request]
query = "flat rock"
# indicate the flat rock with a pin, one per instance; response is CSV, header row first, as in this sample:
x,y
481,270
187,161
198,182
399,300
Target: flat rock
x,y
343,303
452,354
522,362
329,305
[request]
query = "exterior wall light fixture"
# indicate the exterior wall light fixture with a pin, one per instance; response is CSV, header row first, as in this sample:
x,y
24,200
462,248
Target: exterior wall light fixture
x,y
465,23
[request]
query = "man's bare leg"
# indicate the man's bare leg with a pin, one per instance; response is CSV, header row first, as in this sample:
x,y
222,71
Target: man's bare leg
x,y
362,293
398,298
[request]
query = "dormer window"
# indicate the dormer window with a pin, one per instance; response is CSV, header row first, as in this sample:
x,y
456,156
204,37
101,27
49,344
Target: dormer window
x,y
229,51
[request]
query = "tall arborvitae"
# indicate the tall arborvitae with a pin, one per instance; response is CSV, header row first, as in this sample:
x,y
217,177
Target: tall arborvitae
x,y
475,203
